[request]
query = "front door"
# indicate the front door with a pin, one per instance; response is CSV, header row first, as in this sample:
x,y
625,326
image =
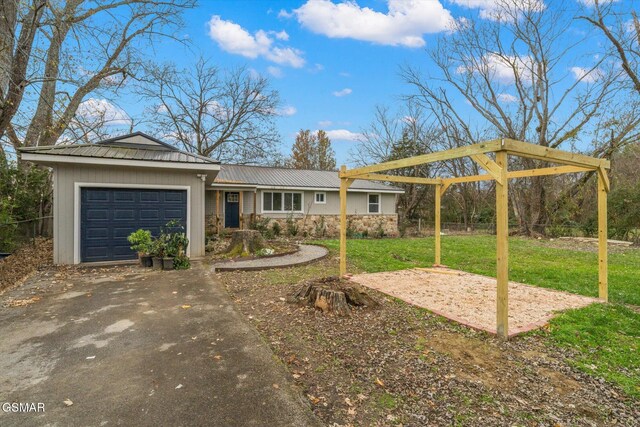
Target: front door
x,y
232,210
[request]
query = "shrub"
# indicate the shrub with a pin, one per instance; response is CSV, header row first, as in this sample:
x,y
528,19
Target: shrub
x,y
141,241
181,262
320,227
292,226
276,229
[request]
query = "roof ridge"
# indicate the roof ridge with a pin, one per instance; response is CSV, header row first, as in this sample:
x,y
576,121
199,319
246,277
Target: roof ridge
x,y
278,167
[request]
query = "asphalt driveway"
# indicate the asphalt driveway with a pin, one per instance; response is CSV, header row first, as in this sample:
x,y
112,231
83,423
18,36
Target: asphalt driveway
x,y
127,346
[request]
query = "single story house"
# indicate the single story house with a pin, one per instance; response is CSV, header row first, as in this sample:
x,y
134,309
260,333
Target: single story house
x,y
104,191
242,194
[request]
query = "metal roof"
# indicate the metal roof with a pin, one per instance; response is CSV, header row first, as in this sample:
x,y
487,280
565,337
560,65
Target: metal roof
x,y
121,150
293,178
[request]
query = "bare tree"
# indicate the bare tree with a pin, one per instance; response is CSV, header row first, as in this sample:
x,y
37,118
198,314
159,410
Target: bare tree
x,y
621,27
64,51
226,115
512,72
392,136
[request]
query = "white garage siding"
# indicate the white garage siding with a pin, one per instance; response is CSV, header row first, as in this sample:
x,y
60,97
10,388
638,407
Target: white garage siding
x,y
64,199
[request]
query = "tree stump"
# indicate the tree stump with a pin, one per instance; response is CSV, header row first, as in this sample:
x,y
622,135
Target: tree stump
x,y
332,294
245,242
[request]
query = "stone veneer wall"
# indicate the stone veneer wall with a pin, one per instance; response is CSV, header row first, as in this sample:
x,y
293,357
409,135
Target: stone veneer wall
x,y
312,224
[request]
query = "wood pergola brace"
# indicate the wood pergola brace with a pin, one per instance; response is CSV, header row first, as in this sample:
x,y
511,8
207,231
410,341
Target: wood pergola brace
x,y
489,165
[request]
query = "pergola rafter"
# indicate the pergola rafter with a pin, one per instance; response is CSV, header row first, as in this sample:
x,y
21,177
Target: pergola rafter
x,y
496,171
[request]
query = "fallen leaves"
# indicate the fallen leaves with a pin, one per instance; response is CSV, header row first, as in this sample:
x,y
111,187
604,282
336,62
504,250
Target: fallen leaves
x,y
21,302
67,402
185,306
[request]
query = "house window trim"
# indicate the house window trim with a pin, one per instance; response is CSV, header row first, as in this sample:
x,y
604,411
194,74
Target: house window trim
x,y
315,198
281,192
379,204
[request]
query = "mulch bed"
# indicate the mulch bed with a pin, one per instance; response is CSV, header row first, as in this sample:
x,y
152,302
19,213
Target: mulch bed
x,y
16,268
280,248
402,365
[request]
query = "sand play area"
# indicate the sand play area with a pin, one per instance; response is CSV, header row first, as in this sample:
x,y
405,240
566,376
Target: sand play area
x,y
470,299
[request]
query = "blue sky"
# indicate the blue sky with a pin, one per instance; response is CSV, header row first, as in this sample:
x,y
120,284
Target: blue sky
x,y
332,62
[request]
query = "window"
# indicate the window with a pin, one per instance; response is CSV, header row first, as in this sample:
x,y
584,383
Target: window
x,y
374,203
281,202
232,197
321,198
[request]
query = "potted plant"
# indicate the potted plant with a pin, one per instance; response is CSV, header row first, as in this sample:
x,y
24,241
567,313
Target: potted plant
x,y
141,242
176,244
158,248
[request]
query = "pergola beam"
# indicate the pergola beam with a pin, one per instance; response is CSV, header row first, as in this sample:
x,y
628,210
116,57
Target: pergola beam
x,y
533,151
556,170
454,153
397,178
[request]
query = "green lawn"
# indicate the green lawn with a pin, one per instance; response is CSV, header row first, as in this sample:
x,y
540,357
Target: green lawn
x,y
606,338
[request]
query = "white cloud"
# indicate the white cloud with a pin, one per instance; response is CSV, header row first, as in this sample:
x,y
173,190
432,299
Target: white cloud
x,y
316,68
590,3
344,74
287,111
325,123
499,10
344,92
403,25
343,135
506,97
586,75
232,38
284,14
97,110
280,35
502,68
275,71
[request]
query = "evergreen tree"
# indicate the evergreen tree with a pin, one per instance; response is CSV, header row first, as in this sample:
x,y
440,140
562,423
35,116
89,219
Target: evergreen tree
x,y
312,151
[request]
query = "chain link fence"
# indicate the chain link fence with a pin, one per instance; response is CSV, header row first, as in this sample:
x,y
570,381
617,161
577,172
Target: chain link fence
x,y
425,227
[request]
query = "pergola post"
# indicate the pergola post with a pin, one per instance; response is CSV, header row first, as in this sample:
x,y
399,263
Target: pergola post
x,y
603,292
344,185
502,247
438,196
218,221
241,209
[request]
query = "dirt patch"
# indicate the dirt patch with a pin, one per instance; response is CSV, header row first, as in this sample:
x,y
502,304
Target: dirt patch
x,y
470,299
402,365
16,268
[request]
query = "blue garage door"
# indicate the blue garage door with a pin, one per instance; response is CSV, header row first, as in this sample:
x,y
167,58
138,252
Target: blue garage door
x,y
109,215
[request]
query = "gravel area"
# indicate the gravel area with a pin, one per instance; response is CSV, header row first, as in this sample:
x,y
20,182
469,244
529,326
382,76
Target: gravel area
x,y
403,365
470,299
305,255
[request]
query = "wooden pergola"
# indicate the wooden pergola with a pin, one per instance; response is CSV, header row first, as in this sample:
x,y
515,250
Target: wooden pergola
x,y
497,170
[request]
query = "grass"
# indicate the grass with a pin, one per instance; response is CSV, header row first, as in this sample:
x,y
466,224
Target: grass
x,y
605,338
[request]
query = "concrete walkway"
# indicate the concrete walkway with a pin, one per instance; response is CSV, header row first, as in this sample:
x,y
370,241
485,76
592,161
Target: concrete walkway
x,y
305,255
130,346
